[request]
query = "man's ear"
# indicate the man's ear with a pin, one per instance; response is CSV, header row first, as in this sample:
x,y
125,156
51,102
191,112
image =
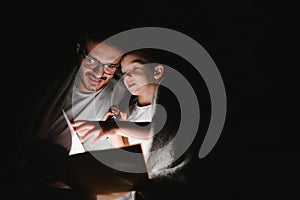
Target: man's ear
x,y
158,72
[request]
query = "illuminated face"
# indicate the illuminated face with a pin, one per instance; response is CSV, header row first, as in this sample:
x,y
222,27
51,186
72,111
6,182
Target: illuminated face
x,y
137,77
91,79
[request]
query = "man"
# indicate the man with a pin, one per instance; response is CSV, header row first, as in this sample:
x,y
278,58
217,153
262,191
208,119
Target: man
x,y
87,93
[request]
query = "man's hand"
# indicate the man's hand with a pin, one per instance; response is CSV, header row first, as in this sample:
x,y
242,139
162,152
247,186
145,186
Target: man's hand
x,y
86,129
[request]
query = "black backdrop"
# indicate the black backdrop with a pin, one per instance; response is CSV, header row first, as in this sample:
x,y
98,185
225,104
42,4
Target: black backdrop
x,y
255,156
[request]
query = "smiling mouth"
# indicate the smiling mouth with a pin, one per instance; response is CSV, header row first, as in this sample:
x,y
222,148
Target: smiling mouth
x,y
95,79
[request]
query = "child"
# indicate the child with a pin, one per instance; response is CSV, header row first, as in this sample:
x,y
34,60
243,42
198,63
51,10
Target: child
x,y
141,76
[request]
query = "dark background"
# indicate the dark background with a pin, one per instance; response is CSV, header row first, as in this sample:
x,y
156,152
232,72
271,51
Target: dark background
x,y
256,155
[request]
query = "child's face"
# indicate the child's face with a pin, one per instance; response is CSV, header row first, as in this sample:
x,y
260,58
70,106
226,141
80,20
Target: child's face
x,y
137,77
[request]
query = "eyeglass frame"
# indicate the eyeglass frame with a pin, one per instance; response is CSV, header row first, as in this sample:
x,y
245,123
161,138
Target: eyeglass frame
x,y
99,64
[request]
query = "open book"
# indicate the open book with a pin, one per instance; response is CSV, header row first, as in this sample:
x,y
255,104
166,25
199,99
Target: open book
x,y
105,171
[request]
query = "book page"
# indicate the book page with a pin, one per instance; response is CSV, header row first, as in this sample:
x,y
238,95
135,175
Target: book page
x,y
76,145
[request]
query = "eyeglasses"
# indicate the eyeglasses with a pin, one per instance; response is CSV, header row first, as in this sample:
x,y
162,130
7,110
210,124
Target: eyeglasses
x,y
91,63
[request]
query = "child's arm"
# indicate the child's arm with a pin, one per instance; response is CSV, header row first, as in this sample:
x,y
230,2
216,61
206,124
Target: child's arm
x,y
117,140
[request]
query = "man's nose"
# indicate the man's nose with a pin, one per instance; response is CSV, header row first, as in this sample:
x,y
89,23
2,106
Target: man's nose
x,y
99,70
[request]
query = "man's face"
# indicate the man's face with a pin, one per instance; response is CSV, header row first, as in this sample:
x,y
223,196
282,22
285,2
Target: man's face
x,y
90,80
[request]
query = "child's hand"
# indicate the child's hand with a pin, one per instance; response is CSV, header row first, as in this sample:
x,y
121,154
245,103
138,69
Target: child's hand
x,y
116,112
